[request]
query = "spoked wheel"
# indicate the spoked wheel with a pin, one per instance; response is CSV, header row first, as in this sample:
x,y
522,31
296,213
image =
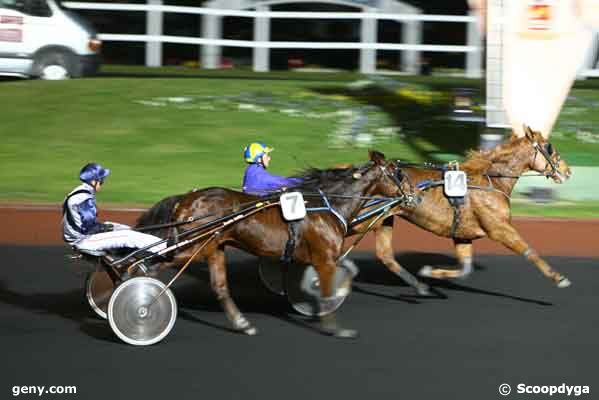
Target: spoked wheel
x,y
98,289
304,290
137,316
271,275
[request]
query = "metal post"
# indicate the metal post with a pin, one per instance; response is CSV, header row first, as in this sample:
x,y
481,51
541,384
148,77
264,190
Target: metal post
x,y
474,60
368,35
211,29
412,34
261,55
154,27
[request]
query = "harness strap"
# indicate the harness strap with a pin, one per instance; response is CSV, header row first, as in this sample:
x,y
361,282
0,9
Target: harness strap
x,y
373,202
456,219
67,212
333,211
292,229
427,184
383,208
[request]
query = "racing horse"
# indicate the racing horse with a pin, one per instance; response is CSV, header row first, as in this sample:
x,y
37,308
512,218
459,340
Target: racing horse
x,y
486,210
320,234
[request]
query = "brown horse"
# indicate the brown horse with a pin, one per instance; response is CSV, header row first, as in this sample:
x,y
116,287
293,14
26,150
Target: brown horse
x,y
265,233
486,211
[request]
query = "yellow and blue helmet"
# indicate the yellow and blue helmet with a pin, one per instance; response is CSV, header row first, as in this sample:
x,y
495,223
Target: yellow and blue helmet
x,y
254,151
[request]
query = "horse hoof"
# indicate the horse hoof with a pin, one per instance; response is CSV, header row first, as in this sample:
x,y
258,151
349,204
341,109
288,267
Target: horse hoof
x,y
346,333
463,276
243,325
426,271
423,290
564,283
251,331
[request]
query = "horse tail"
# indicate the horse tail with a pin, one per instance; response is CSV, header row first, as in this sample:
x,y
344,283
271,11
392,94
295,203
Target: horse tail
x,y
160,213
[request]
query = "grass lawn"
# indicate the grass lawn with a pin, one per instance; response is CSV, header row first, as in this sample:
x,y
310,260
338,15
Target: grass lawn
x,y
178,129
582,209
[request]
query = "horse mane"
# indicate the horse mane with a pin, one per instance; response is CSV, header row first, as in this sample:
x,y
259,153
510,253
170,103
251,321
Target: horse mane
x,y
330,180
480,161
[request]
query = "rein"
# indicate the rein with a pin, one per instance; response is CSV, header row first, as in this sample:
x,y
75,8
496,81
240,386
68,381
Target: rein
x,y
211,226
190,220
255,203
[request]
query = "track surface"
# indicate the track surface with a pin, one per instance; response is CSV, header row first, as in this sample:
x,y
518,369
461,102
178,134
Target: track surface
x,y
506,324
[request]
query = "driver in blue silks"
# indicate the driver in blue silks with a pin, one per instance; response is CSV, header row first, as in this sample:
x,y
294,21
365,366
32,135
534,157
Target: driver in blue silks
x,y
257,180
81,228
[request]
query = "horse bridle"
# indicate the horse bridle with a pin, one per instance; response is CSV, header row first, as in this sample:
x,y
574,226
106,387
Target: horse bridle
x,y
395,179
546,151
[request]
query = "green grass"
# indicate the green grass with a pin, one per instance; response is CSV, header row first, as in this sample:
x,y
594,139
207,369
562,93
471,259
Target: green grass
x,y
50,129
158,147
583,209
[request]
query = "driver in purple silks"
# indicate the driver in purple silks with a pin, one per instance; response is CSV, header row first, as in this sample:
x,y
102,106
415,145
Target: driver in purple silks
x,y
257,180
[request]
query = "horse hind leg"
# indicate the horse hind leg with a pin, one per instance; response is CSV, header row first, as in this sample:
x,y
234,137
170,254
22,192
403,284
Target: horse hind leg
x,y
329,324
384,252
218,281
510,238
463,251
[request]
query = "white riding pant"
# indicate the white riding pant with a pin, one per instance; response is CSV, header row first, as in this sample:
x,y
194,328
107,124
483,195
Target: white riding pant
x,y
121,236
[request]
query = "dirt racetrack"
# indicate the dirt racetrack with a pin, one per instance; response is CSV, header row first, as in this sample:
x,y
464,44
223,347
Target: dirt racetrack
x,y
40,225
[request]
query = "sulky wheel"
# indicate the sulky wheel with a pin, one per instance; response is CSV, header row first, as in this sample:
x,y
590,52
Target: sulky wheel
x,y
98,289
137,316
271,275
304,290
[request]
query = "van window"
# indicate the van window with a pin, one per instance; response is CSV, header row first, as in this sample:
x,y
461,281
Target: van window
x,y
35,8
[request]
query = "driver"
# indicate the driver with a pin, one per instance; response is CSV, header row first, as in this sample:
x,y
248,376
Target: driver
x,y
81,228
257,180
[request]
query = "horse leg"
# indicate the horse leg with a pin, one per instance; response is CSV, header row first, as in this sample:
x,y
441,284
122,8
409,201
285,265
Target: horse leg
x,y
218,281
329,324
463,251
384,252
510,238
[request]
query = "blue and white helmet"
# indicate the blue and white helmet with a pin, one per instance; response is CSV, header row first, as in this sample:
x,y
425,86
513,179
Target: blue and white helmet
x,y
93,172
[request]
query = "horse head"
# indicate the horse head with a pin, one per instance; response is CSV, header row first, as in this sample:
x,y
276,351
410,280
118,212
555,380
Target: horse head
x,y
546,159
391,182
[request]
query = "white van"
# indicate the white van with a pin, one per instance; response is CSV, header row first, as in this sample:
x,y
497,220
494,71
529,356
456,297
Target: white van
x,y
39,38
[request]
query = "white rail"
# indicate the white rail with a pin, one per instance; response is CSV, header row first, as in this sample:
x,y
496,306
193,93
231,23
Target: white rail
x,y
270,14
211,41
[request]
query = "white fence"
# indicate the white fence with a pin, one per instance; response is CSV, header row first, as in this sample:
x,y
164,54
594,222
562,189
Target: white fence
x,y
211,41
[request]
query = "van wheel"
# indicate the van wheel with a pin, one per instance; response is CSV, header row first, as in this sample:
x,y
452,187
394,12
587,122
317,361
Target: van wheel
x,y
53,66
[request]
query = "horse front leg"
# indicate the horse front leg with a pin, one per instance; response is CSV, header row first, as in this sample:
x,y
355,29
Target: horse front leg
x,y
463,251
384,252
510,238
218,281
329,324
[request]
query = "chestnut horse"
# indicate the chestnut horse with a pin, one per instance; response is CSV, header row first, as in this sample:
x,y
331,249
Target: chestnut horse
x,y
265,233
486,211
